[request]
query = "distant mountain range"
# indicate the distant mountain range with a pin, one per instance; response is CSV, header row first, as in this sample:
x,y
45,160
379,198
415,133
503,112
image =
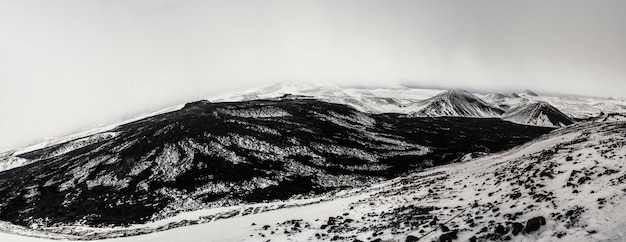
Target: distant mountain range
x,y
435,103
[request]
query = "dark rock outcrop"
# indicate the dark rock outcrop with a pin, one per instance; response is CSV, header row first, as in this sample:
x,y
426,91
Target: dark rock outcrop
x,y
534,224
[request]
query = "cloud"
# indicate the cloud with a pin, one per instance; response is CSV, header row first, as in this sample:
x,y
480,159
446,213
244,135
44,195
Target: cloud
x,y
71,64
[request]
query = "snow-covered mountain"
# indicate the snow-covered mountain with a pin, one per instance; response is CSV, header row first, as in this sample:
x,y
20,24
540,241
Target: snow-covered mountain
x,y
537,113
528,93
576,107
300,161
404,100
456,102
564,186
364,100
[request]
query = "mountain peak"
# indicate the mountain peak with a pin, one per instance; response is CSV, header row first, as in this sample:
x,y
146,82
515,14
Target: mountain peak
x,y
537,113
456,102
458,92
528,92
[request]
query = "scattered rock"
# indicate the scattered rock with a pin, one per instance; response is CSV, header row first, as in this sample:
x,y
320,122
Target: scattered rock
x,y
533,224
517,228
501,229
444,228
516,195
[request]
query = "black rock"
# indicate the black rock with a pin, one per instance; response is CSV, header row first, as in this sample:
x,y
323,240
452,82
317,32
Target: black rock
x,y
516,195
411,238
501,229
444,228
448,237
533,224
517,228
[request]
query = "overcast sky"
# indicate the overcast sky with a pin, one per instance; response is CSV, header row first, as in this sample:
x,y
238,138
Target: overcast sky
x,y
67,65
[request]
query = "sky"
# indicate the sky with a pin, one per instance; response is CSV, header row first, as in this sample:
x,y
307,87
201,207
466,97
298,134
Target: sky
x,y
67,65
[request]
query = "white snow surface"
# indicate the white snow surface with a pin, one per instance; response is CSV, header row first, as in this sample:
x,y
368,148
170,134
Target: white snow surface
x,y
365,100
574,177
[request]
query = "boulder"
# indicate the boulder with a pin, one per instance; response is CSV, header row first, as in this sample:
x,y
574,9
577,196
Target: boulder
x,y
517,228
533,224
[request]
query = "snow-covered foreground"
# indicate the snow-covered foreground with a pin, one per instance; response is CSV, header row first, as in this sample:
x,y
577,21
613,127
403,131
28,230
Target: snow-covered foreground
x,y
567,185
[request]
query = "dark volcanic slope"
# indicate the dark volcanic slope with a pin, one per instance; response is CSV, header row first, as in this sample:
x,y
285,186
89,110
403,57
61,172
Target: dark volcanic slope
x,y
224,153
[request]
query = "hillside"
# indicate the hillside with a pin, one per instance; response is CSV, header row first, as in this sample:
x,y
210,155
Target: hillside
x,y
218,154
567,185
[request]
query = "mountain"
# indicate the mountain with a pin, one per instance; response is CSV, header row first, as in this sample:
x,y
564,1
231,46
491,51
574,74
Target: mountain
x,y
537,113
566,185
454,102
409,100
215,154
502,100
305,162
496,96
501,95
528,93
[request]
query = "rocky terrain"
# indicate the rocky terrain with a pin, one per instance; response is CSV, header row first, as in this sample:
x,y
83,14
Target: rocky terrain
x,y
568,185
330,164
219,154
